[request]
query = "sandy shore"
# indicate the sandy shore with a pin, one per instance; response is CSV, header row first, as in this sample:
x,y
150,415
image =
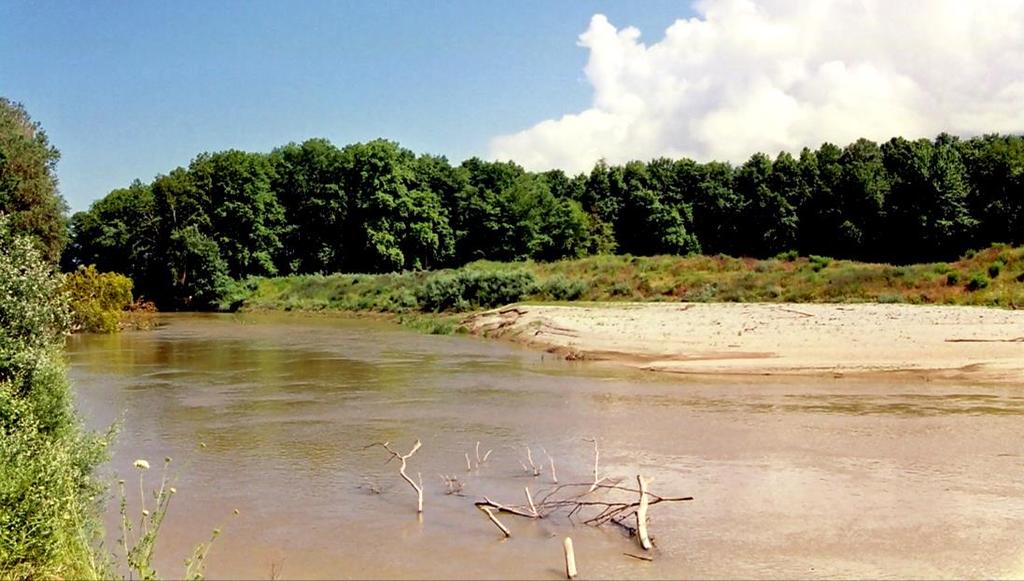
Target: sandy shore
x,y
913,342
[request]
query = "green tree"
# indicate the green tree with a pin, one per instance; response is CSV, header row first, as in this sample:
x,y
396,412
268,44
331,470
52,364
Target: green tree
x,y
995,167
862,188
118,234
769,222
717,210
393,226
928,215
198,273
28,182
245,217
645,225
308,182
489,223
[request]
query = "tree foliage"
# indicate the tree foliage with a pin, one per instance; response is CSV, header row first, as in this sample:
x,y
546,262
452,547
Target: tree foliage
x,y
377,207
28,183
98,299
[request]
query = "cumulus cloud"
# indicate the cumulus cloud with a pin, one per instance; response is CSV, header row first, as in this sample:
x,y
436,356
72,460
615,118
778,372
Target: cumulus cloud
x,y
744,76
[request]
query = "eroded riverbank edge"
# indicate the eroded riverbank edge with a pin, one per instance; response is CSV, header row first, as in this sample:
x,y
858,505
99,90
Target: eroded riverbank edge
x,y
807,340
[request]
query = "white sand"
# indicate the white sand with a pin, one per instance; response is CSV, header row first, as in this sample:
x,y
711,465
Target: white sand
x,y
930,342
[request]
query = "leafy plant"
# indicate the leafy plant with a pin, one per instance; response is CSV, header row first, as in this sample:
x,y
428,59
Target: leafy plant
x,y
98,300
977,282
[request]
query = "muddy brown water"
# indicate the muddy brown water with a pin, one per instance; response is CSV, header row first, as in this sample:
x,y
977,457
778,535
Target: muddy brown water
x,y
270,414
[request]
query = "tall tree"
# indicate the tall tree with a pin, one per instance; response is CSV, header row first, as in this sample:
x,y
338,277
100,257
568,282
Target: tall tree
x,y
28,182
768,220
995,168
245,216
393,226
928,214
645,225
717,209
308,182
118,234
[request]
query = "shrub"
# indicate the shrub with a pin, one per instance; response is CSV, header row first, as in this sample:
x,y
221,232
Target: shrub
x,y
467,289
994,269
48,494
98,299
977,281
819,262
234,293
442,293
620,289
788,256
494,288
703,294
561,288
952,278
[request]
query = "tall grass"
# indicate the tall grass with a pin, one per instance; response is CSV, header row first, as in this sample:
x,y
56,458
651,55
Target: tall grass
x,y
989,277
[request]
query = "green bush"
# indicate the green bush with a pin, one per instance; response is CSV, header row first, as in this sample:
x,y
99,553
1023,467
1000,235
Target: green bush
x,y
977,281
620,289
234,293
953,278
496,288
994,269
819,262
98,299
468,289
443,292
49,498
788,256
561,288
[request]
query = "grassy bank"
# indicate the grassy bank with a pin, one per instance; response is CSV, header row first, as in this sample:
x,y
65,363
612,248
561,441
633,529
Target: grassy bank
x,y
992,277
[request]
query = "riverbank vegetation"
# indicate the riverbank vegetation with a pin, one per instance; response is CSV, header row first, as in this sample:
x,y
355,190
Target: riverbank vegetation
x,y
49,496
993,277
188,237
101,302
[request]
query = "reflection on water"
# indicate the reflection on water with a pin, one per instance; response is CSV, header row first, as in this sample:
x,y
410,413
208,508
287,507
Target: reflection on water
x,y
271,414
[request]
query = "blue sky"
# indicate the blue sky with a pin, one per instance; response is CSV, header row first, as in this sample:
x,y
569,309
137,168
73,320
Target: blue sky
x,y
130,89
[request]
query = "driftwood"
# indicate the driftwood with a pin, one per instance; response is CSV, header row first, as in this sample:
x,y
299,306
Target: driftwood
x,y
533,467
401,470
529,499
595,503
480,460
570,558
794,311
490,515
583,507
554,475
452,484
1013,340
641,515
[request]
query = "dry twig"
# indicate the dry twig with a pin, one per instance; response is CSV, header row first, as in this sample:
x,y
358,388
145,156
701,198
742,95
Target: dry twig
x,y
401,470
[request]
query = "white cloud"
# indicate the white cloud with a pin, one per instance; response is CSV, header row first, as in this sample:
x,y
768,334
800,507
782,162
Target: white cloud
x,y
746,76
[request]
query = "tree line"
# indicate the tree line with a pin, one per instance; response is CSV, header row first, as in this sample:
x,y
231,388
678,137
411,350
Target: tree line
x,y
378,207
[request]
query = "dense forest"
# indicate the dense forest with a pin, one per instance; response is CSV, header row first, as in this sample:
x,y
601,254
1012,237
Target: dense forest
x,y
377,207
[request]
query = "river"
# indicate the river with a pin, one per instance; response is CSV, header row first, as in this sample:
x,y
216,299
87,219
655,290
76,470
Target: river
x,y
271,414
